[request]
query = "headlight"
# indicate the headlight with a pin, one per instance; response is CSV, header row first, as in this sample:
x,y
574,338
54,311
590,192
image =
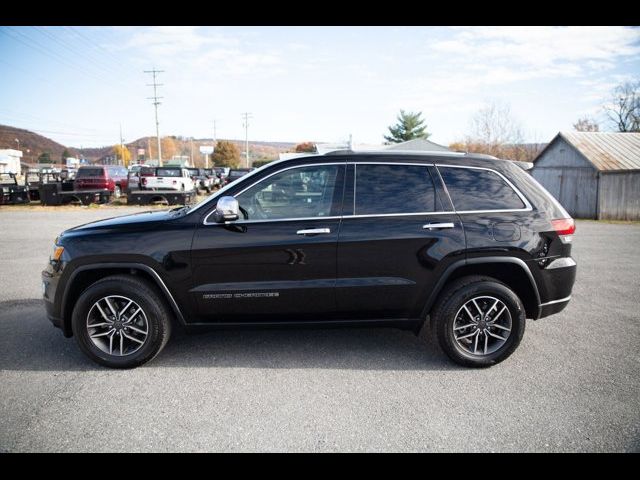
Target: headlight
x,y
57,253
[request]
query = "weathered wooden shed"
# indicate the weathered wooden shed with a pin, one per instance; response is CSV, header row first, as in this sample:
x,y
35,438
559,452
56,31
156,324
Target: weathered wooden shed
x,y
593,174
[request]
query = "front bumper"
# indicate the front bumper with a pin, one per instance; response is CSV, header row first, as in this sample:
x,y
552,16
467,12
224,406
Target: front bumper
x,y
50,279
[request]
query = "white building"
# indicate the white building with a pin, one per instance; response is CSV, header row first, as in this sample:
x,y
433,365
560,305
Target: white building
x,y
10,161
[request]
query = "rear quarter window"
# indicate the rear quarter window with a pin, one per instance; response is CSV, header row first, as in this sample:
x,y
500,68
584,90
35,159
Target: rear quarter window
x,y
477,189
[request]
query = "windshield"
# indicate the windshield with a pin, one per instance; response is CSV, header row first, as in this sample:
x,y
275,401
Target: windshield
x,y
168,172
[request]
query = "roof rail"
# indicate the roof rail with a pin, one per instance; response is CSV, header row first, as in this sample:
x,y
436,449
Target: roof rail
x,y
338,151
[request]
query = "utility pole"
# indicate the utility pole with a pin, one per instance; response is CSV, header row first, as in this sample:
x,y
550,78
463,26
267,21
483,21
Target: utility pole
x,y
155,99
191,156
246,116
122,147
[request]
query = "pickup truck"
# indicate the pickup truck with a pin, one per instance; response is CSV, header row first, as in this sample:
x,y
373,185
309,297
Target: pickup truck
x,y
201,179
169,178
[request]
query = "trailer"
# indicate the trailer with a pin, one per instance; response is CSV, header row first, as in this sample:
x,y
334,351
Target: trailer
x,y
11,193
59,194
160,197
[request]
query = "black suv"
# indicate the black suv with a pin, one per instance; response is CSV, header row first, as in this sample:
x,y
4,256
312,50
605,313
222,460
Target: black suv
x,y
472,244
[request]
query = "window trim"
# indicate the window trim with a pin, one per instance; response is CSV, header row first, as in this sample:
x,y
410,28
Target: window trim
x,y
373,215
267,220
355,164
525,201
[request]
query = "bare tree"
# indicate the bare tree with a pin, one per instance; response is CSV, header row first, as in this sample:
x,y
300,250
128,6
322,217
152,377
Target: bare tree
x,y
586,124
495,131
624,108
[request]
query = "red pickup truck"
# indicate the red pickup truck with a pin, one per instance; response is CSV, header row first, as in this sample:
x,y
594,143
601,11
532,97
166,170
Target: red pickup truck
x,y
111,177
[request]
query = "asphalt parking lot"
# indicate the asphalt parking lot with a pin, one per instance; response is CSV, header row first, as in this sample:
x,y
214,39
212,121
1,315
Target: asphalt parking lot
x,y
573,385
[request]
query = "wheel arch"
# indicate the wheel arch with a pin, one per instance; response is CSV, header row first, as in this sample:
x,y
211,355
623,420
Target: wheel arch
x,y
85,275
511,271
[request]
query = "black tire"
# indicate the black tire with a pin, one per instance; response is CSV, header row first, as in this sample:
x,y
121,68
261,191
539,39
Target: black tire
x,y
452,300
147,297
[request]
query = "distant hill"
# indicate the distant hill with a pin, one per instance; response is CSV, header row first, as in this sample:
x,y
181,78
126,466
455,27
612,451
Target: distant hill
x,y
35,143
176,145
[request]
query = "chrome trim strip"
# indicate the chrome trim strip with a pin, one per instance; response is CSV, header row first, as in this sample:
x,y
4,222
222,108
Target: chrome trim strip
x,y
563,262
272,220
562,300
355,163
375,215
526,202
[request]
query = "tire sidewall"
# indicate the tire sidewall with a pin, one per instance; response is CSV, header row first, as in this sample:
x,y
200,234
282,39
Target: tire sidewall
x,y
94,293
453,305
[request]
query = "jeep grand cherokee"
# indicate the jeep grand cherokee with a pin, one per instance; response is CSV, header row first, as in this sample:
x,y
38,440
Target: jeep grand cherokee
x,y
470,244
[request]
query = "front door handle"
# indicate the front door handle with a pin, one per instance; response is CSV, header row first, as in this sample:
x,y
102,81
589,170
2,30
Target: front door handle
x,y
438,226
313,231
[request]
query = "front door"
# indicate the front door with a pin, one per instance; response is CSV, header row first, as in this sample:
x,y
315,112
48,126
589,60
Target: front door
x,y
278,262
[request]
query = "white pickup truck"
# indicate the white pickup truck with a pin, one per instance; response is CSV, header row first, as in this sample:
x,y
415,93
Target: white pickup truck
x,y
169,178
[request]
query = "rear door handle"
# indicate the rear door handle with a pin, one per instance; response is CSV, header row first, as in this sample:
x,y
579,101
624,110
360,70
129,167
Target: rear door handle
x,y
437,226
313,231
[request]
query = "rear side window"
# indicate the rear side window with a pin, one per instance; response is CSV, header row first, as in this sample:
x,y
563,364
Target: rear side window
x,y
90,172
474,189
393,189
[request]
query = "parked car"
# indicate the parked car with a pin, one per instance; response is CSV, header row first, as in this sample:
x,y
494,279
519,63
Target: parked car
x,y
467,244
169,178
201,179
110,177
213,175
236,173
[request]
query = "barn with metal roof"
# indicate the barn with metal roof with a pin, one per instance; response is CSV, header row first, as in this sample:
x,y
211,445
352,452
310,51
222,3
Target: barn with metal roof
x,y
593,174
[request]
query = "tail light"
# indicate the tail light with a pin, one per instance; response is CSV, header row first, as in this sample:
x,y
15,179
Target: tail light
x,y
144,180
565,228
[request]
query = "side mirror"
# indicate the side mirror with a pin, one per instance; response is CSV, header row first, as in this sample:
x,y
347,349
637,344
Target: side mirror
x,y
227,210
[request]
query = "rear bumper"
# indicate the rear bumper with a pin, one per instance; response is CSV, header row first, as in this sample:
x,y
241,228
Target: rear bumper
x,y
559,277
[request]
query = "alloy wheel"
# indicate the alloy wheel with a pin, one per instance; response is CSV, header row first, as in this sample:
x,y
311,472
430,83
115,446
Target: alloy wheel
x,y
117,325
482,326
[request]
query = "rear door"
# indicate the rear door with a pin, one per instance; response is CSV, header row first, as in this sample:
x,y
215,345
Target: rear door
x,y
398,234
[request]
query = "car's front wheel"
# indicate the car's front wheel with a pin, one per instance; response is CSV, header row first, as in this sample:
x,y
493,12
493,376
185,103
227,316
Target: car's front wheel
x,y
121,322
479,321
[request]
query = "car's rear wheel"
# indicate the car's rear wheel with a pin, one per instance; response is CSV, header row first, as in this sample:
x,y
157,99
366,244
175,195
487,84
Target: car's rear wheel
x,y
117,192
479,321
121,322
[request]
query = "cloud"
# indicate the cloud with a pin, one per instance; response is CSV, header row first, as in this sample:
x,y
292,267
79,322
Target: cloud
x,y
540,51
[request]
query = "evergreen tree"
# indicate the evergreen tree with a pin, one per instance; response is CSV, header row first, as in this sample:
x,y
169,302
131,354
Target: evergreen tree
x,y
409,127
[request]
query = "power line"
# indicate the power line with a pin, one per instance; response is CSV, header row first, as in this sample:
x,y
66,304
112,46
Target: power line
x,y
155,99
246,116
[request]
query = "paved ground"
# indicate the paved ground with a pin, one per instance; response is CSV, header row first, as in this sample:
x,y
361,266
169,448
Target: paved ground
x,y
573,385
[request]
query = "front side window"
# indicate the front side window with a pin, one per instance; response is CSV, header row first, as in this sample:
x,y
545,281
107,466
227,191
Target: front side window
x,y
304,192
475,189
389,189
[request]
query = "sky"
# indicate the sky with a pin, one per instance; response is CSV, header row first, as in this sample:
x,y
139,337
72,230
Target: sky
x,y
78,85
